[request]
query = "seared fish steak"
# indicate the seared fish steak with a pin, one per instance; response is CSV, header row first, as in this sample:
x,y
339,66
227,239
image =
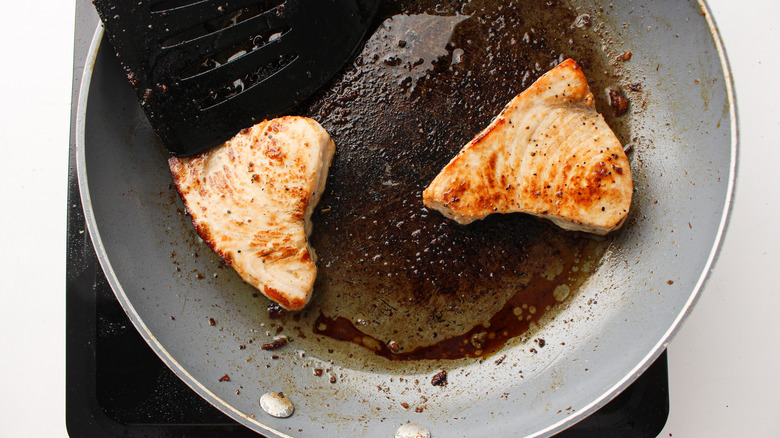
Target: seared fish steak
x,y
251,199
549,154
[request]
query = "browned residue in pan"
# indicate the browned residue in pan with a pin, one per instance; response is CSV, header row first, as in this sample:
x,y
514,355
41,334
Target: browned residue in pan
x,y
401,280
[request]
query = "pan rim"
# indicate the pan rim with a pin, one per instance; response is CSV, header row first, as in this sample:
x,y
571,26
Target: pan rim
x,y
105,264
712,258
606,396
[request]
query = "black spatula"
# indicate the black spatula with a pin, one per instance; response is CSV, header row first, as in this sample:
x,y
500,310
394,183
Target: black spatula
x,y
203,70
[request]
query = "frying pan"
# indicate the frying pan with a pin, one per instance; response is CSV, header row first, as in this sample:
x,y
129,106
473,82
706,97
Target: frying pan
x,y
430,77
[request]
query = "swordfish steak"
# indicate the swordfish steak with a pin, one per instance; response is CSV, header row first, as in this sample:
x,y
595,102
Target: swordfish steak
x,y
251,198
549,154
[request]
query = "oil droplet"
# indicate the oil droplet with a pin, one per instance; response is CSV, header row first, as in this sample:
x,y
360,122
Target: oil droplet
x,y
277,404
457,56
561,292
371,343
414,43
553,269
412,431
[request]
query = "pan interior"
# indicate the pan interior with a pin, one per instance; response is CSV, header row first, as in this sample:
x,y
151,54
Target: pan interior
x,y
430,77
394,277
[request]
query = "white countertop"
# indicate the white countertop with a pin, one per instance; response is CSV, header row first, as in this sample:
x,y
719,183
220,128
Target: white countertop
x,y
724,362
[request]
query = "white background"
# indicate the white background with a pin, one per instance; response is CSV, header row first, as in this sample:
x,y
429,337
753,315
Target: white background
x,y
724,363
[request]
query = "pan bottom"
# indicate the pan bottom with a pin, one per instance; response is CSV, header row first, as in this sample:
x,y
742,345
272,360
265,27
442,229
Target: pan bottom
x,y
405,282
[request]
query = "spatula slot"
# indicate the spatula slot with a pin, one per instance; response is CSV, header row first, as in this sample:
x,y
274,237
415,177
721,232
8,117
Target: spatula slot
x,y
247,82
235,52
167,5
226,19
205,69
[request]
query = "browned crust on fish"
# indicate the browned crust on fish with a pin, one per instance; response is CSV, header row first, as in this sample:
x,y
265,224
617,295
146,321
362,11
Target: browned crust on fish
x,y
250,200
548,153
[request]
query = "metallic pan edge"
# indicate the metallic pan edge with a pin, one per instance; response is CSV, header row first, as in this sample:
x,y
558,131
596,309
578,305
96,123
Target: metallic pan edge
x,y
238,416
660,347
105,264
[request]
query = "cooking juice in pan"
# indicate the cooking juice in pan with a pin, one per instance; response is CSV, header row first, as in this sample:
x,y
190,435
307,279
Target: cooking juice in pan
x,y
401,280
